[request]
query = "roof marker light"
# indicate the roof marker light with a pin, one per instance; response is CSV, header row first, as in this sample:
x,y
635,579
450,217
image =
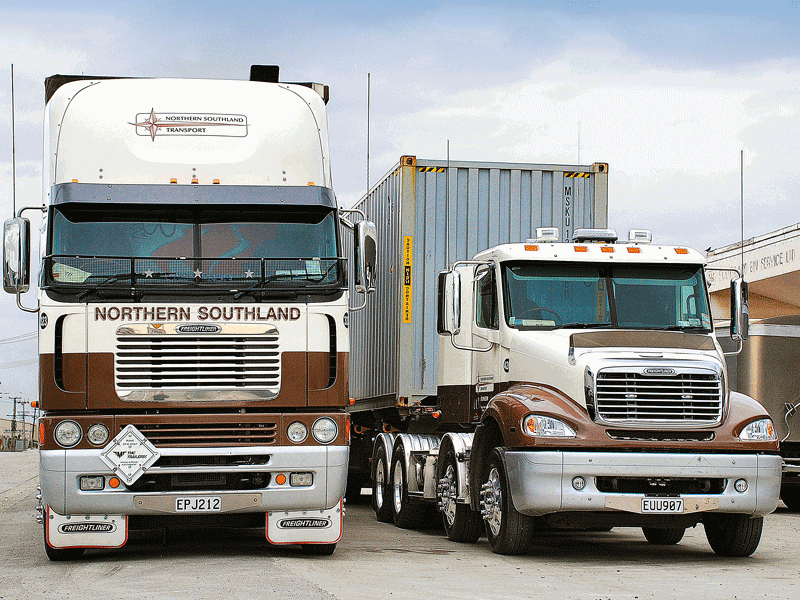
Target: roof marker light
x,y
633,250
607,249
173,180
681,251
581,249
531,247
194,179
216,182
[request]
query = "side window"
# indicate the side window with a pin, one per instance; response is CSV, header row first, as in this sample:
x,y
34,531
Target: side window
x,y
486,299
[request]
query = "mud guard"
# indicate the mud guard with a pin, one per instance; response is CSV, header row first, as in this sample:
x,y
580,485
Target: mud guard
x,y
85,531
305,526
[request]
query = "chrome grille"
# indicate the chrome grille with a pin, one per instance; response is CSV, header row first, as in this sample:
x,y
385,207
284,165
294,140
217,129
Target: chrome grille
x,y
691,398
218,361
210,431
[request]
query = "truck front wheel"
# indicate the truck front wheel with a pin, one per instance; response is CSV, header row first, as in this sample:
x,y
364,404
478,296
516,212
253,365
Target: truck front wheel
x,y
508,530
733,534
461,523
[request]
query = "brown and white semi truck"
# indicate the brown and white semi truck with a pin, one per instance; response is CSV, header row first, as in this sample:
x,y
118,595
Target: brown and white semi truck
x,y
192,310
517,377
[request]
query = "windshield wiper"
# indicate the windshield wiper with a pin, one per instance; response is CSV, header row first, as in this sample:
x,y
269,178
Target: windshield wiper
x,y
581,325
681,328
108,280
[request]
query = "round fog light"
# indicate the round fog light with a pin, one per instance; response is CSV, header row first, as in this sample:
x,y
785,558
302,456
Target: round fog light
x,y
740,486
297,432
578,483
97,434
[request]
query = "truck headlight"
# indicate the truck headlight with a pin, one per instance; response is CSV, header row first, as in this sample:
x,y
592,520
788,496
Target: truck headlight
x,y
324,430
762,430
97,434
67,434
539,426
297,432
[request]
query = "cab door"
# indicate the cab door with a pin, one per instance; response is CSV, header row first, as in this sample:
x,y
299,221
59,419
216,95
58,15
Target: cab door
x,y
486,334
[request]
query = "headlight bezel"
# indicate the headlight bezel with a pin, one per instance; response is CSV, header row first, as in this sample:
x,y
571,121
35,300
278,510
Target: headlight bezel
x,y
97,427
545,426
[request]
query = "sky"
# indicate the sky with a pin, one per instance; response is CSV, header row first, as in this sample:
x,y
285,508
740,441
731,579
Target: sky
x,y
670,95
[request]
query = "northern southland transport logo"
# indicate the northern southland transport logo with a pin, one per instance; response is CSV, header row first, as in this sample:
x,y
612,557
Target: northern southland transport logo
x,y
202,124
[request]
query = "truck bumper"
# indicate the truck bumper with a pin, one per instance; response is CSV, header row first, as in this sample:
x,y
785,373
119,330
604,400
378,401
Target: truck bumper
x,y
542,482
60,472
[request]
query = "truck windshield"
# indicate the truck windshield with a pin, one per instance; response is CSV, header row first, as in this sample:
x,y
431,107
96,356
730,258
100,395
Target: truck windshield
x,y
148,245
546,296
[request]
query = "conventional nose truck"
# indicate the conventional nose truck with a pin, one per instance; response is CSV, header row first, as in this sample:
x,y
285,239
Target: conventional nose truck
x,y
578,381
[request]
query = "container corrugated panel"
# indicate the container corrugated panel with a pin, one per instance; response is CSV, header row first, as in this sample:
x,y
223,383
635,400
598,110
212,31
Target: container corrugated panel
x,y
450,212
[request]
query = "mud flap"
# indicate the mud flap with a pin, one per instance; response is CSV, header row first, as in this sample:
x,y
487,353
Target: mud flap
x,y
305,526
85,531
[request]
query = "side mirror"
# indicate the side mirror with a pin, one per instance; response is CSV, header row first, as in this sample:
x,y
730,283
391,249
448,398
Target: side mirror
x,y
16,255
740,310
449,319
366,255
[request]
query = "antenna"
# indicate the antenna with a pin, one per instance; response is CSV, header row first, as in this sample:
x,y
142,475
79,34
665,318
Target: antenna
x,y
447,211
368,103
741,206
13,149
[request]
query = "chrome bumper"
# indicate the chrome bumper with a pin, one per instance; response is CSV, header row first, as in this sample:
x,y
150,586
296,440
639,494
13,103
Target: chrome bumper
x,y
541,482
60,472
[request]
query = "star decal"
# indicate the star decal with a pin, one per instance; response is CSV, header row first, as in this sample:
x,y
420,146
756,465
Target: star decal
x,y
249,273
197,273
148,273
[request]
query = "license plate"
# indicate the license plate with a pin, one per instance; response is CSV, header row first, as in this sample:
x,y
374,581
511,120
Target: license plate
x,y
198,504
662,505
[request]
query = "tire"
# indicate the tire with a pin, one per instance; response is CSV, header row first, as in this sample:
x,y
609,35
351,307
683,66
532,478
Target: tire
x,y
667,536
461,523
380,486
791,497
318,549
404,514
509,531
60,554
733,534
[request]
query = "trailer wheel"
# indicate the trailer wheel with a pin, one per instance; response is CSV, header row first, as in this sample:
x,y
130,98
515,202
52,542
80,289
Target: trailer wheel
x,y
404,514
380,485
733,534
318,549
60,554
667,536
791,497
461,523
508,530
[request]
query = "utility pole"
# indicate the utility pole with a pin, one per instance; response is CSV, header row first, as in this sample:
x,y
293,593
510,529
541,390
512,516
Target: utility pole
x,y
24,426
14,416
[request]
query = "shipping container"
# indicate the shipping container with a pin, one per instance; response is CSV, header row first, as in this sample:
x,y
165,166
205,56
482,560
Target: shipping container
x,y
428,214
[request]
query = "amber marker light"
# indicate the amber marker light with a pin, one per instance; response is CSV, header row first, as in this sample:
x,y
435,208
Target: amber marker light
x,y
114,483
634,250
607,249
681,251
581,249
531,247
41,432
194,179
215,182
173,180
352,401
280,479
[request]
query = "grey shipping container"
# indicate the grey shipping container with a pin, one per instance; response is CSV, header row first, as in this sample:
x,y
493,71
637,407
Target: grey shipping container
x,y
429,214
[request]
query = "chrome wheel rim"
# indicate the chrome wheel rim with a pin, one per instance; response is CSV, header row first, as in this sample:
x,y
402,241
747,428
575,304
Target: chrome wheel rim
x,y
448,495
380,480
493,502
397,485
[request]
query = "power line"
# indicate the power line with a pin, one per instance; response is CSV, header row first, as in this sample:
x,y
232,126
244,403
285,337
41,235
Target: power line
x,y
19,363
23,337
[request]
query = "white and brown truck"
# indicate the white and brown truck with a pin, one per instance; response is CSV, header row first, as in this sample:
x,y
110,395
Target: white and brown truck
x,y
551,380
192,310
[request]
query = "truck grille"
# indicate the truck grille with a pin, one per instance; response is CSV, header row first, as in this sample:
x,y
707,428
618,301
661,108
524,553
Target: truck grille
x,y
152,362
691,398
171,431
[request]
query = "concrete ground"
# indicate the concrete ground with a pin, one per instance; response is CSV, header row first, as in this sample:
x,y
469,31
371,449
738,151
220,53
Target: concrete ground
x,y
375,561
